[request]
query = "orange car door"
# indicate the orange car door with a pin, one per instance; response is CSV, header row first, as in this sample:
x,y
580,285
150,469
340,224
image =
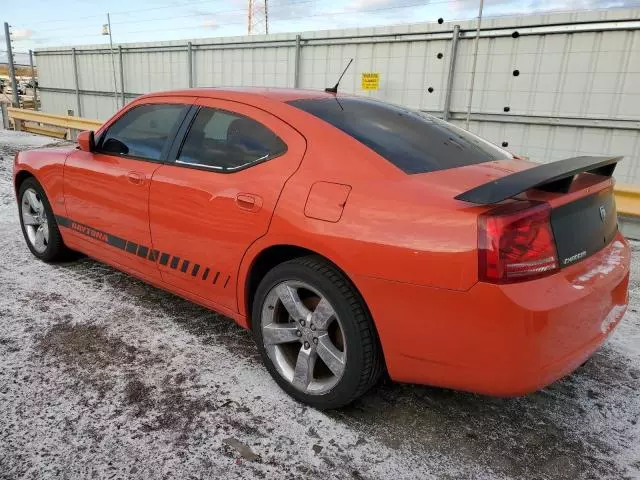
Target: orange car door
x,y
107,190
218,197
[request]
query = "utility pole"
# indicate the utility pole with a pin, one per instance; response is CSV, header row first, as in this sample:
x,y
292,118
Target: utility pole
x,y
33,81
258,17
106,30
475,60
12,69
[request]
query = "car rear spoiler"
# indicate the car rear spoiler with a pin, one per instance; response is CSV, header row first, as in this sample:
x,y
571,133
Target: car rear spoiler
x,y
551,177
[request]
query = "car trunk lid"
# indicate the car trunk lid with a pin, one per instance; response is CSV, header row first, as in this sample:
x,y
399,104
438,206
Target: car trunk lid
x,y
581,208
584,226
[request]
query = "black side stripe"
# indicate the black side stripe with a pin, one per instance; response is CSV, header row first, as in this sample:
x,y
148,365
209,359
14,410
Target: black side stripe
x,y
141,251
185,266
107,238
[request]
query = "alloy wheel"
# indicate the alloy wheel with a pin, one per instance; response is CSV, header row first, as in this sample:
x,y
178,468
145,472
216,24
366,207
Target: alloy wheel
x,y
303,337
34,219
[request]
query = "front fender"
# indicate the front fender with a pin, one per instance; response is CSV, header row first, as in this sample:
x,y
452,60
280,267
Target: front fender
x,y
47,166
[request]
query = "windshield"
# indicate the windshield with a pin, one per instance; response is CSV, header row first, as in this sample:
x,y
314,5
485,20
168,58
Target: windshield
x,y
415,142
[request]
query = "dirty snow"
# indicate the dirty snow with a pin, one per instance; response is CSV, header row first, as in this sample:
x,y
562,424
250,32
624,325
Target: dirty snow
x,y
104,376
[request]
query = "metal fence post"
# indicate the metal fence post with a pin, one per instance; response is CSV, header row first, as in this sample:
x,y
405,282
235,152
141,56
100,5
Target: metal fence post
x,y
452,67
73,133
33,81
12,70
296,74
5,115
121,75
190,63
75,77
473,68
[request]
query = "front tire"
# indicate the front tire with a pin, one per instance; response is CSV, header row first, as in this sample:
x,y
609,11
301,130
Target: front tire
x,y
315,334
38,223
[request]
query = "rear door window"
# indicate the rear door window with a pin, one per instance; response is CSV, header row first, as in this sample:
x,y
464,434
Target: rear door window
x,y
226,141
143,131
413,141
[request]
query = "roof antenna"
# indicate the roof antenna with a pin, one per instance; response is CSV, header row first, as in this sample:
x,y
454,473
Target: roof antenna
x,y
334,89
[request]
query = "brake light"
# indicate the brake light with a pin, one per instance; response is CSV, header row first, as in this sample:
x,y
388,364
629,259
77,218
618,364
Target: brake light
x,y
516,243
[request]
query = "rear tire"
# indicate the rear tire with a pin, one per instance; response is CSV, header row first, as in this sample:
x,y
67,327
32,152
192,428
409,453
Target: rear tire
x,y
38,223
321,347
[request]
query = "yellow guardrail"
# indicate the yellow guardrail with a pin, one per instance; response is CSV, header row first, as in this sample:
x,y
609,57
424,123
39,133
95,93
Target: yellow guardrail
x,y
45,130
628,200
19,115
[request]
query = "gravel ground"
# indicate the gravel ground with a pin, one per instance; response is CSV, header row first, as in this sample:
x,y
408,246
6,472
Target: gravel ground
x,y
103,376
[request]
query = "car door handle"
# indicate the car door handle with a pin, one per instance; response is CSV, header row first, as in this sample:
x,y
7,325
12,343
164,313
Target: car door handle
x,y
136,178
249,202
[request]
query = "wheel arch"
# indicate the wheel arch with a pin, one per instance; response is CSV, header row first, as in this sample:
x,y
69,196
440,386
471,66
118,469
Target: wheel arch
x,y
20,177
273,255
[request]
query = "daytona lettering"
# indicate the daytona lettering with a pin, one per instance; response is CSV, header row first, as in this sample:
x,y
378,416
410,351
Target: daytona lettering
x,y
89,231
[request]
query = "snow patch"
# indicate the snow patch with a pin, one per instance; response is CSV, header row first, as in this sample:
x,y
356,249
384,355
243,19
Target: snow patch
x,y
18,140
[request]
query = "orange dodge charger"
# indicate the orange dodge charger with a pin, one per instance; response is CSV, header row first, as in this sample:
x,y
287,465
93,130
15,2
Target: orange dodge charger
x,y
350,235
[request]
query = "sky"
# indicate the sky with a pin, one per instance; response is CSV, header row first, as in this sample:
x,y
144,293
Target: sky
x,y
44,23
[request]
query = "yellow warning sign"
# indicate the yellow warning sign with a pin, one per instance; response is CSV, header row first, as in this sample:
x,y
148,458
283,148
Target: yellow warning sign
x,y
370,80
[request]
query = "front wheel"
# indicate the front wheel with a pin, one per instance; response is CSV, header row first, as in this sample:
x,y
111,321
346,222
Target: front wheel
x,y
38,223
315,334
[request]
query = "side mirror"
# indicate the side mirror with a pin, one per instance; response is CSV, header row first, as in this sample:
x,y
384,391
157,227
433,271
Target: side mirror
x,y
87,141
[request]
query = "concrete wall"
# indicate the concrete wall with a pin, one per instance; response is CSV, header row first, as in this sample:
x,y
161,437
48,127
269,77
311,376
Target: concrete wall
x,y
577,92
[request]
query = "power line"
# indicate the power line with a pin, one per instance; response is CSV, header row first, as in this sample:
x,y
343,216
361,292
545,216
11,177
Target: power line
x,y
146,20
139,10
242,12
273,16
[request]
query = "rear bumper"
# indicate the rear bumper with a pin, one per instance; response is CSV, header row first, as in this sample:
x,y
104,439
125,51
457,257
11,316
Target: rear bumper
x,y
501,339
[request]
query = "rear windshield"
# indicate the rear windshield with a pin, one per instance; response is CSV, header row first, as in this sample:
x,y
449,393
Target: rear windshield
x,y
413,141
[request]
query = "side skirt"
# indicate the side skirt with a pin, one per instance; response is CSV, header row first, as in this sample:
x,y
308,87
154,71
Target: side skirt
x,y
89,248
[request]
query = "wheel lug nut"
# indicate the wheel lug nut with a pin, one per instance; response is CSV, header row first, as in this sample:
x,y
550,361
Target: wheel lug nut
x,y
299,333
302,322
315,340
306,345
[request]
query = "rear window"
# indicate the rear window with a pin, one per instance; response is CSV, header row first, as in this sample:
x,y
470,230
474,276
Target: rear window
x,y
413,141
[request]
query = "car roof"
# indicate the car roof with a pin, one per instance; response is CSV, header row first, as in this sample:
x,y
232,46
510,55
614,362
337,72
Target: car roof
x,y
271,93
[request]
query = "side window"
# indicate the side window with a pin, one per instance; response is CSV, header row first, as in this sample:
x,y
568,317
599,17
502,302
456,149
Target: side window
x,y
227,141
142,132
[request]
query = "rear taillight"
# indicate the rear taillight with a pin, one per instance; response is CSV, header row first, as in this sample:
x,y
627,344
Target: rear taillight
x,y
515,243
